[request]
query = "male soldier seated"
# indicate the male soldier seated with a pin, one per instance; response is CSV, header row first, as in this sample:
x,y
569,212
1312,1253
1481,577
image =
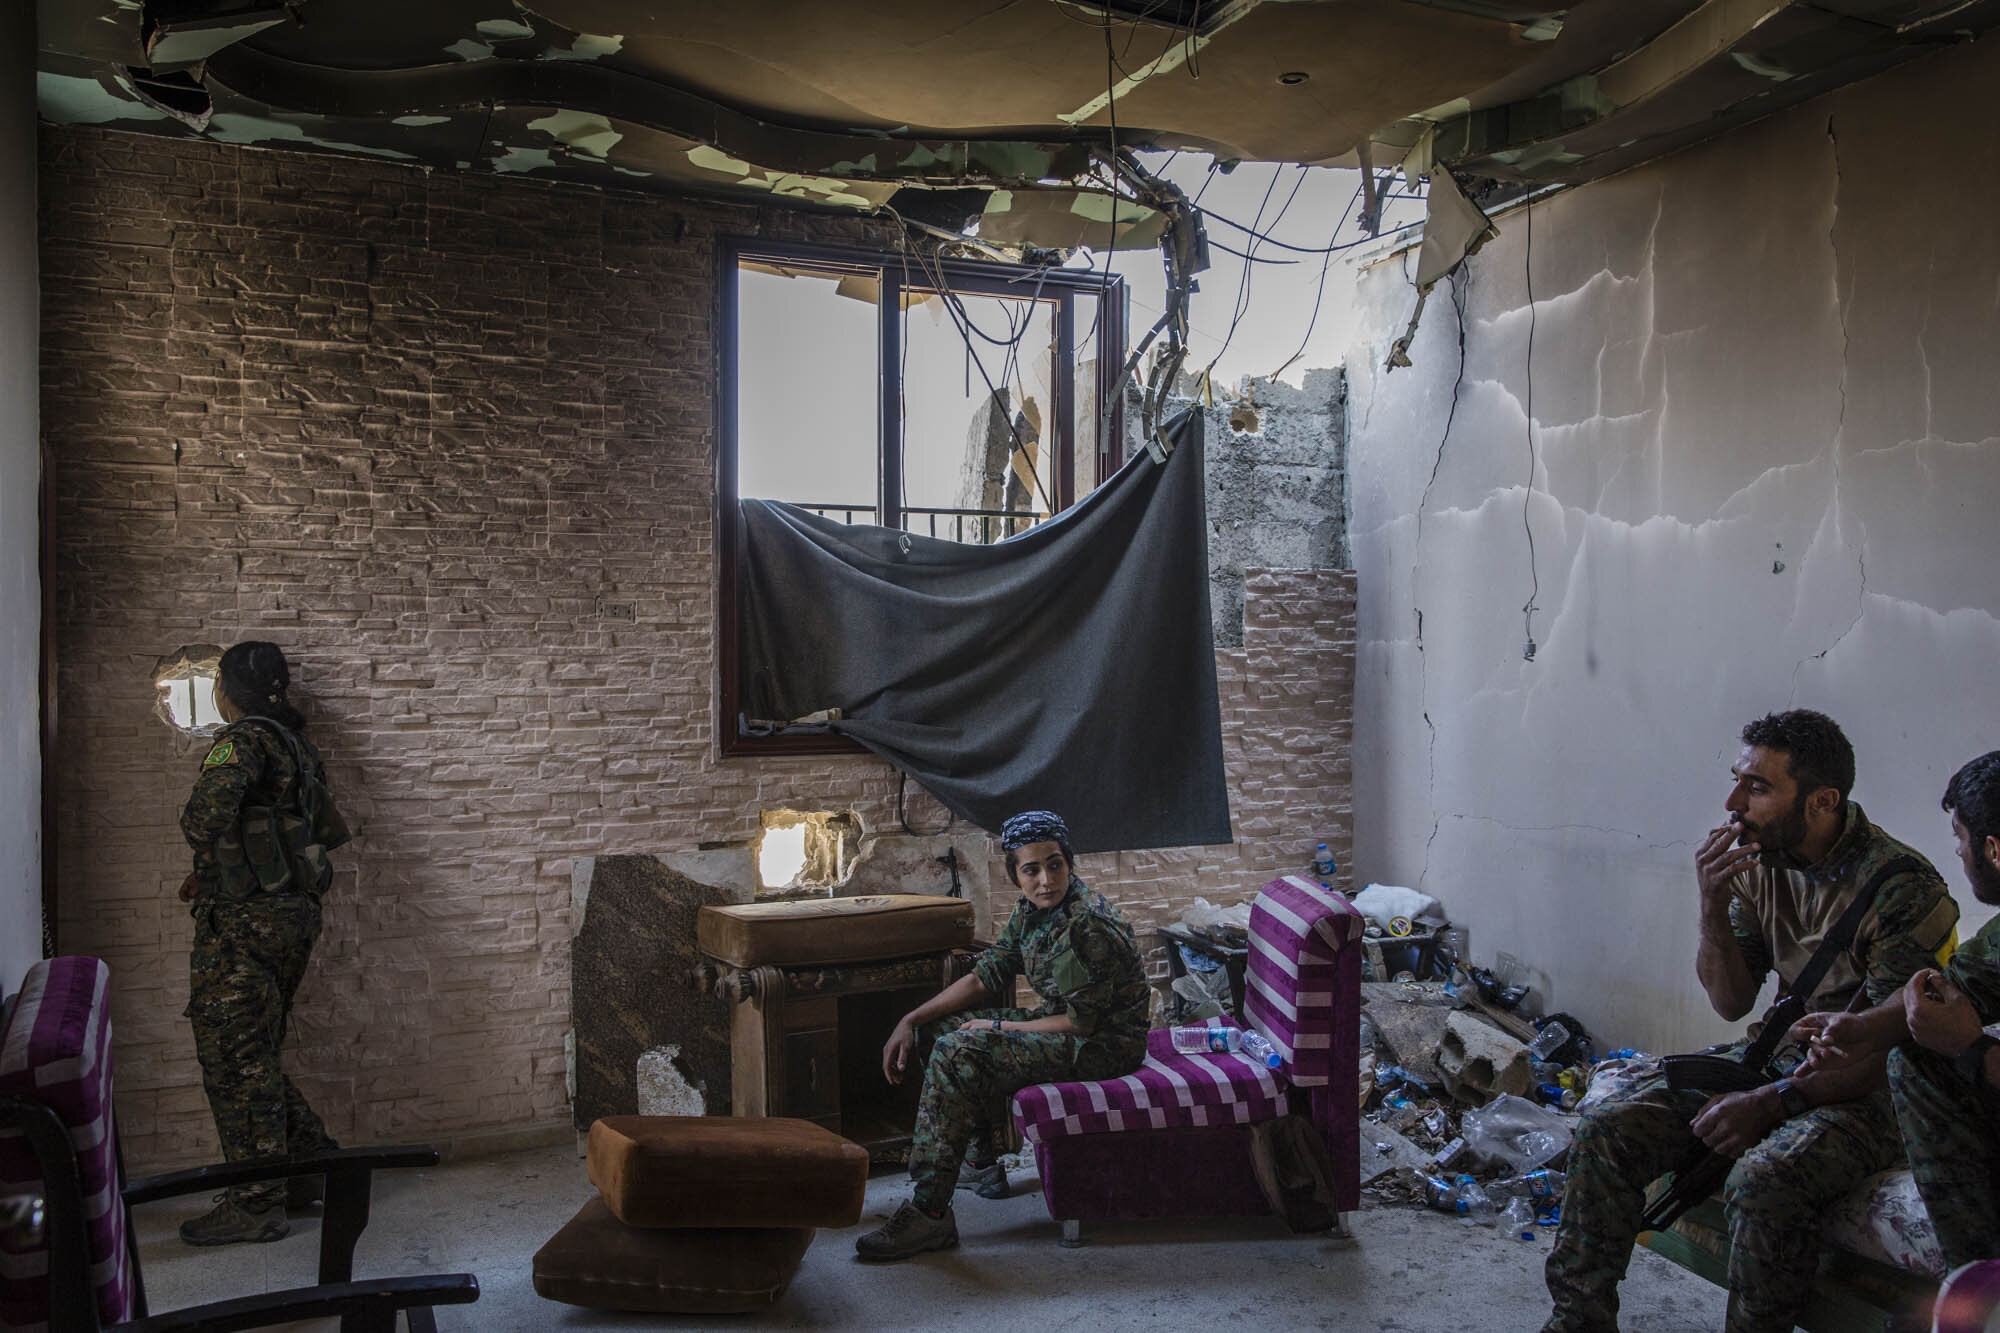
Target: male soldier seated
x,y
1771,882
1944,1073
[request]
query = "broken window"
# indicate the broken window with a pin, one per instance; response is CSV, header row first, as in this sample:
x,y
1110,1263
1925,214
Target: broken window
x,y
805,850
184,685
958,399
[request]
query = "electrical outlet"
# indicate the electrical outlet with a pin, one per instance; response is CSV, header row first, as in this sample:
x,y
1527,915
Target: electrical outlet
x,y
614,611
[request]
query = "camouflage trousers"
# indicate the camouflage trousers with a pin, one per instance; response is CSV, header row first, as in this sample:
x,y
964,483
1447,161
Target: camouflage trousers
x,y
1774,1199
248,960
971,1077
1952,1130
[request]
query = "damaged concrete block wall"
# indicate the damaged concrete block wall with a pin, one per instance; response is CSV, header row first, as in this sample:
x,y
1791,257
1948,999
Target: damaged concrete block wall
x,y
1743,401
1277,487
449,440
20,489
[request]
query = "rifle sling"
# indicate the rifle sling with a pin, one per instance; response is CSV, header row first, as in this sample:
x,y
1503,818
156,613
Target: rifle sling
x,y
1698,1175
1799,994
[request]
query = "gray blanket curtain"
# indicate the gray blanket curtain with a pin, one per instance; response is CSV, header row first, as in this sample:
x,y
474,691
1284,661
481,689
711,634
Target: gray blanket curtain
x,y
1069,668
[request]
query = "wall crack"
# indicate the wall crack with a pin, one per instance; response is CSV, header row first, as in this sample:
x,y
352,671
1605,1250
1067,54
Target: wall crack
x,y
1460,283
1840,308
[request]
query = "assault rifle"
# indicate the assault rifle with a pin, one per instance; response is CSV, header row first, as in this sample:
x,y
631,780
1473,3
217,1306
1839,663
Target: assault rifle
x,y
1703,1170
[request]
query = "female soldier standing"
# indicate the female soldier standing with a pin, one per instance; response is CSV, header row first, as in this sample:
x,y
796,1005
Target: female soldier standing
x,y
260,824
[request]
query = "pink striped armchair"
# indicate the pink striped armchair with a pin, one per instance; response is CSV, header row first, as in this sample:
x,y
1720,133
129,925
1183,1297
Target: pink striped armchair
x,y
1172,1139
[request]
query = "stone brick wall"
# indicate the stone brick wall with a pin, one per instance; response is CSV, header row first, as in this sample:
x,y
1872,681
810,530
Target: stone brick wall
x,y
421,429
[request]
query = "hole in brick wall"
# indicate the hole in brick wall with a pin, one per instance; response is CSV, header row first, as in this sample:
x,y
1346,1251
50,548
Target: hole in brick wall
x,y
802,849
184,689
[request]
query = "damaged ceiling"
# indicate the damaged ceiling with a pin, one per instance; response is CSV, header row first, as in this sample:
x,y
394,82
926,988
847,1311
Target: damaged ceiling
x,y
1007,111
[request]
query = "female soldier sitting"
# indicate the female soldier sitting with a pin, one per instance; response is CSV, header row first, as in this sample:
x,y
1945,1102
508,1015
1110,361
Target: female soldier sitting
x,y
1079,956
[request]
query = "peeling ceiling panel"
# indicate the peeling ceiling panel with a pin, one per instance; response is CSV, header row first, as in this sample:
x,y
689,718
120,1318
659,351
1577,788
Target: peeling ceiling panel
x,y
1724,64
1067,219
838,102
985,68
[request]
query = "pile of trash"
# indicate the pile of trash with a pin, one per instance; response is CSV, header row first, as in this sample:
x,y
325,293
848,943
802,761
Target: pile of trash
x,y
1470,1102
1469,1096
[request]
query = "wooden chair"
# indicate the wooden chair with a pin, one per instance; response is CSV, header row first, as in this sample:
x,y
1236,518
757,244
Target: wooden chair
x,y
58,1139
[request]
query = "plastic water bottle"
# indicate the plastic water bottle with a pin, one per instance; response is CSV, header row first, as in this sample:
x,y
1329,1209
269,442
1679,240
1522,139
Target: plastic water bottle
x,y
1197,1040
1474,1205
1324,867
1519,1217
1539,1184
1259,1048
1548,1041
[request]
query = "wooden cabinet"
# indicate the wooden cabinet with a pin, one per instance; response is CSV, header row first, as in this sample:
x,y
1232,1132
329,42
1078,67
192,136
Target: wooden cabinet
x,y
806,1041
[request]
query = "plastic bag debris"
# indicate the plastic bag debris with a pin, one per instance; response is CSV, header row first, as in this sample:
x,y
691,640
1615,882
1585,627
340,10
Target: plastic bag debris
x,y
1515,1134
1229,925
1387,905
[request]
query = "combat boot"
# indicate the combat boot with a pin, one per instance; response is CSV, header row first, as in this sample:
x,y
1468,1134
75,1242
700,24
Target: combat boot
x,y
910,1232
988,1182
230,1221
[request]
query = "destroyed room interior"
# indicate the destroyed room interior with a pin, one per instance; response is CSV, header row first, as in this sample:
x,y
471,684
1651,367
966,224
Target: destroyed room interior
x,y
1008,662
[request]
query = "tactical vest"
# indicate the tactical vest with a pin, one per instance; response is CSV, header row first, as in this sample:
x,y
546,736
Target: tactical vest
x,y
279,849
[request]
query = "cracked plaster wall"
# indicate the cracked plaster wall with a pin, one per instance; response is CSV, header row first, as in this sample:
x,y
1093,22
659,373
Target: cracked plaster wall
x,y
1757,378
20,481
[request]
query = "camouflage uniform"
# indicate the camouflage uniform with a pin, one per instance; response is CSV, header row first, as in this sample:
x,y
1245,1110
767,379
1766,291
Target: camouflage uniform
x,y
1778,1191
250,952
1952,1128
1080,957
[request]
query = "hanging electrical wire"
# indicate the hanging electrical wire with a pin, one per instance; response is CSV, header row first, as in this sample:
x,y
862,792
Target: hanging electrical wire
x,y
1243,286
1319,295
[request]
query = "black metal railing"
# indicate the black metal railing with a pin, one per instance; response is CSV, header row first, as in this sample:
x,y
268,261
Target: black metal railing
x,y
980,527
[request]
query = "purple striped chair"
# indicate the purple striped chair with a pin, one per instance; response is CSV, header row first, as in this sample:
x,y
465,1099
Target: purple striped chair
x,y
74,1267
1172,1139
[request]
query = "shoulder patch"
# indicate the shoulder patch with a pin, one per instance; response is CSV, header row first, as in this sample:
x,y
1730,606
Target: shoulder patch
x,y
223,753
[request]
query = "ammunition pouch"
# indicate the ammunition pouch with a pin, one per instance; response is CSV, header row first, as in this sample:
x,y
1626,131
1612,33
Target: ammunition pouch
x,y
280,852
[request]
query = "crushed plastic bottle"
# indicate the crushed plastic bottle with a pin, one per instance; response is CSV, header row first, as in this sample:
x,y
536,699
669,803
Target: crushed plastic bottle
x,y
1441,1194
1395,1076
1474,1205
1259,1048
1542,1183
1548,1041
1519,1219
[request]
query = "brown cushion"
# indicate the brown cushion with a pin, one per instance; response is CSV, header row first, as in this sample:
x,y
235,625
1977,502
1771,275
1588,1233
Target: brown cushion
x,y
834,930
726,1171
598,1261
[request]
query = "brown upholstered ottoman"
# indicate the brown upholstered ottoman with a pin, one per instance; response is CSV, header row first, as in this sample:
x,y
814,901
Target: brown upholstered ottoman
x,y
726,1171
599,1262
700,1214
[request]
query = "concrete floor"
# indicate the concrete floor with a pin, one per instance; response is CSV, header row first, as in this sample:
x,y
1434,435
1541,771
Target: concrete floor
x,y
1408,1269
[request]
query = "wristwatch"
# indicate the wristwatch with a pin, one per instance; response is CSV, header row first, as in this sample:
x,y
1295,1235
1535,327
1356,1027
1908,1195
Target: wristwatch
x,y
1791,1098
1972,1060
996,1025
